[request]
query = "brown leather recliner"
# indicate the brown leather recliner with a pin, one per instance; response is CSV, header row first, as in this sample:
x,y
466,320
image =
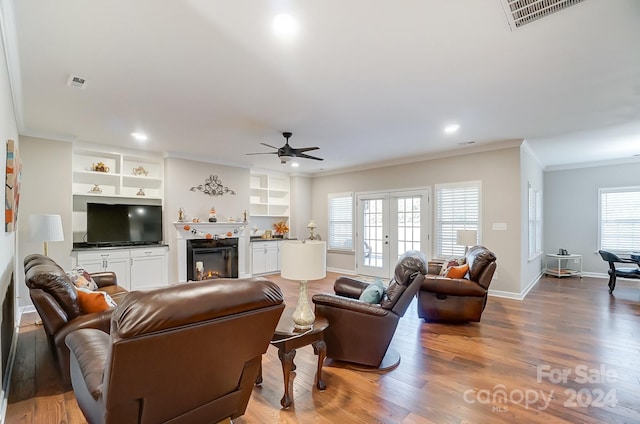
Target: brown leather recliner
x,y
361,332
443,299
56,301
188,353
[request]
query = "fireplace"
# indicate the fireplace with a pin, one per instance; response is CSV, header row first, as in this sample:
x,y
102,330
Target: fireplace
x,y
219,258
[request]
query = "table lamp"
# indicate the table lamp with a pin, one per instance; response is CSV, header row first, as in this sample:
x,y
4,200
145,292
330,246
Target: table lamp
x,y
466,238
303,261
311,226
46,228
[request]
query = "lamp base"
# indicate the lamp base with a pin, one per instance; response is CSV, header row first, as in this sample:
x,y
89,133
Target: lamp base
x,y
303,316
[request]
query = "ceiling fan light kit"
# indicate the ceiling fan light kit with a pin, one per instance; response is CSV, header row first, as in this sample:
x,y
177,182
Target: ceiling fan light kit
x,y
286,152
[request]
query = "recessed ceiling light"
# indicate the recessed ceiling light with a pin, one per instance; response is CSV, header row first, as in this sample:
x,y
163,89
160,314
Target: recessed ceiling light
x,y
285,24
139,136
450,129
295,164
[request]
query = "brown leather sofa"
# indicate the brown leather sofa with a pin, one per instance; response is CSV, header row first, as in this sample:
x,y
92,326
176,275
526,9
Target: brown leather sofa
x,y
360,332
56,300
443,299
189,353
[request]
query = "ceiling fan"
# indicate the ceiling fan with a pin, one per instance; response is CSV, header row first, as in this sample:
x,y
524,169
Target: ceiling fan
x,y
286,152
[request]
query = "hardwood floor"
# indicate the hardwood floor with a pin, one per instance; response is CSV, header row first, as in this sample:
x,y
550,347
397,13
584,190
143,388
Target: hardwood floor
x,y
505,369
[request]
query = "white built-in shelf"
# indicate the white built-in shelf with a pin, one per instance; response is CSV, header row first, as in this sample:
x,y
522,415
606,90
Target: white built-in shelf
x,y
269,195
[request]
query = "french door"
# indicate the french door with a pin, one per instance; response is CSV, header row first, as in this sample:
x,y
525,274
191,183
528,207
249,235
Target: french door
x,y
388,225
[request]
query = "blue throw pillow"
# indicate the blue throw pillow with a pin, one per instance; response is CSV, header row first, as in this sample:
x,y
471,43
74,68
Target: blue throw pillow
x,y
373,293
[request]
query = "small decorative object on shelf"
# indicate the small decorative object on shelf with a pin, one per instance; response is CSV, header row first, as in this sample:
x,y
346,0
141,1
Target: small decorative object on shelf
x,y
281,228
140,171
96,189
213,187
99,167
140,193
180,215
212,214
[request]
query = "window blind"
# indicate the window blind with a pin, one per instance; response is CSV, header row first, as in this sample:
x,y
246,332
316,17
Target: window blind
x,y
457,208
620,219
340,221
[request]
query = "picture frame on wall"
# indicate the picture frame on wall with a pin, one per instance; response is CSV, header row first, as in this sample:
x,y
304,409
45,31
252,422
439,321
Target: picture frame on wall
x,y
12,187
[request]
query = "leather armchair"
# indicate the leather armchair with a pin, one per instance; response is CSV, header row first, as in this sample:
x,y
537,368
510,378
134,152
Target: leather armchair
x,y
619,271
188,353
442,299
360,332
56,300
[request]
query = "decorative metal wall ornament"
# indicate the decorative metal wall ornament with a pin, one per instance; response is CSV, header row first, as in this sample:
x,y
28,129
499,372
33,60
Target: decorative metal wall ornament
x,y
213,187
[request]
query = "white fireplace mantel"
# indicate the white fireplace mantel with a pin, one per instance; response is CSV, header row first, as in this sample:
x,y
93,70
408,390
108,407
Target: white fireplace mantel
x,y
212,230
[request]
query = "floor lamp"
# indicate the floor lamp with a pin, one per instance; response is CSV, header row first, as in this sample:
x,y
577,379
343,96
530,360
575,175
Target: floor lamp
x,y
46,228
303,261
466,238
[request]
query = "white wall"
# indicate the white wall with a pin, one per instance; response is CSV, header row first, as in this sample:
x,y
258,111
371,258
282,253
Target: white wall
x,y
571,209
531,173
300,207
46,189
8,131
180,176
499,172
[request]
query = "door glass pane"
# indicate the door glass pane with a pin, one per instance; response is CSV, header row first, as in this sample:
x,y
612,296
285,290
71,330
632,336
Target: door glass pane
x,y
408,224
372,232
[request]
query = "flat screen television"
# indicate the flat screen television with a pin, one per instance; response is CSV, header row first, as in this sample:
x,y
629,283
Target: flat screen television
x,y
122,225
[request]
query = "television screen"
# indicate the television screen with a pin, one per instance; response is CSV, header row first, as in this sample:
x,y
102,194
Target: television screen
x,y
123,224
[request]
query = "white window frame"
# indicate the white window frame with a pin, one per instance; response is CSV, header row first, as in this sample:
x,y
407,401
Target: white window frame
x,y
629,216
535,223
332,243
462,225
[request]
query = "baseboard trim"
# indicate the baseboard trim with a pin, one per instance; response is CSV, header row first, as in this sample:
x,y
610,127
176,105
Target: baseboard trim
x,y
342,271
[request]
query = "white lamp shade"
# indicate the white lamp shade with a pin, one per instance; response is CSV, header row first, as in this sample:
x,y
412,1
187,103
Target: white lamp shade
x,y
311,224
45,228
466,237
303,260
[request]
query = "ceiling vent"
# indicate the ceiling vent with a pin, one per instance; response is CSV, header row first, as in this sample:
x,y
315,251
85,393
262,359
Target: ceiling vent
x,y
522,12
76,81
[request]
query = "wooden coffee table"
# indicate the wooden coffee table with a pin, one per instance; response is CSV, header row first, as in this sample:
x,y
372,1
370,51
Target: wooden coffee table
x,y
287,339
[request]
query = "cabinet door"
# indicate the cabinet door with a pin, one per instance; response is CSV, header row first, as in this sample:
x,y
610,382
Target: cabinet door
x,y
147,273
259,259
120,266
91,265
272,258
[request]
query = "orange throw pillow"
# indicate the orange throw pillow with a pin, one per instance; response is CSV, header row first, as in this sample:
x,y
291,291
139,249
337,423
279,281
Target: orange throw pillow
x,y
458,271
92,302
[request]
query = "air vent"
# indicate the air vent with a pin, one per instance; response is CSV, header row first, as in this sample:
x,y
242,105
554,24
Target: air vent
x,y
76,81
522,12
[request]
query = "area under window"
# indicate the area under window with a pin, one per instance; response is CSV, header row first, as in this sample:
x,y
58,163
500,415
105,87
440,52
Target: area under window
x,y
619,219
340,221
457,208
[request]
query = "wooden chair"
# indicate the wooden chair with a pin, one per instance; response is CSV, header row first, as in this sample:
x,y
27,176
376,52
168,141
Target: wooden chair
x,y
627,272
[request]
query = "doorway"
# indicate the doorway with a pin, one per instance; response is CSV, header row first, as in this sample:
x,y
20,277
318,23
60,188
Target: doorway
x,y
388,225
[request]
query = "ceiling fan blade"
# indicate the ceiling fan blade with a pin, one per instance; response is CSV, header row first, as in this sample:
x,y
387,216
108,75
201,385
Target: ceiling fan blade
x,y
304,149
302,155
262,153
269,145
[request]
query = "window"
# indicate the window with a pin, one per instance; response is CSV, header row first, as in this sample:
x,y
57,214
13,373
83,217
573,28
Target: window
x,y
340,221
620,219
457,208
535,222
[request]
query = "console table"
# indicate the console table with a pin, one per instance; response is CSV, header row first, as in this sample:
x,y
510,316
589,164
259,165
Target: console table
x,y
561,265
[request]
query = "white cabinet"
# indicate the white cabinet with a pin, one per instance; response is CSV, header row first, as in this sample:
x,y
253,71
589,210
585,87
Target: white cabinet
x,y
148,268
265,257
107,260
269,195
139,268
122,175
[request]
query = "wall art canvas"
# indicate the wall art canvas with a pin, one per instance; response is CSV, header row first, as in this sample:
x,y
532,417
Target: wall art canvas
x,y
12,187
